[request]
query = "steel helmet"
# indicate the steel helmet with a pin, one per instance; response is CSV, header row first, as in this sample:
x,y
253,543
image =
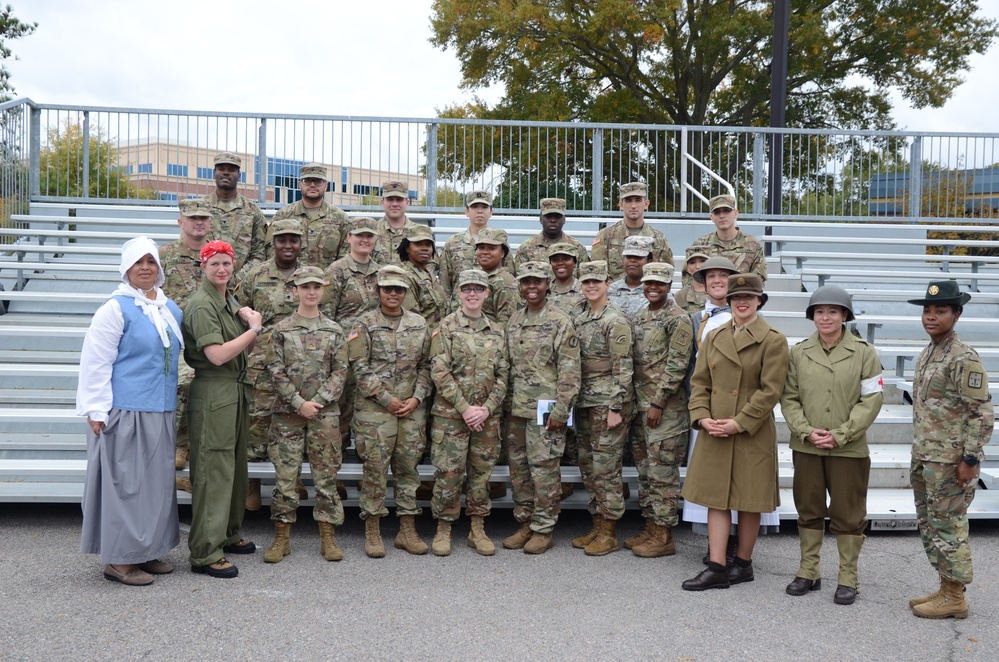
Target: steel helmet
x,y
831,295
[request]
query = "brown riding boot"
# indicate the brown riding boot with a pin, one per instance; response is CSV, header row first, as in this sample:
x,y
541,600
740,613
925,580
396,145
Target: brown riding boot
x,y
408,539
642,535
660,543
539,543
327,542
583,541
253,495
373,545
605,541
949,604
442,539
478,539
281,547
519,537
180,459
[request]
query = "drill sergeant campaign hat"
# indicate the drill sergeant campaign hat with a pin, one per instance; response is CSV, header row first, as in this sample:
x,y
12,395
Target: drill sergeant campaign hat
x,y
943,292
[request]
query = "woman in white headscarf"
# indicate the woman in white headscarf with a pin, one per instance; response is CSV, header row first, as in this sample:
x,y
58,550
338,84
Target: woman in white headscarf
x,y
128,392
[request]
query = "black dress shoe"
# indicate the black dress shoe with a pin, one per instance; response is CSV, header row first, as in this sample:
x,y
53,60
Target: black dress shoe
x,y
845,595
242,547
800,586
705,580
737,575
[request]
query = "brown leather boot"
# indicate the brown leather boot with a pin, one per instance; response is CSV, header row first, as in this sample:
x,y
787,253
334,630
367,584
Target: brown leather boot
x,y
519,537
281,547
373,545
582,541
442,539
408,539
184,483
605,541
180,459
327,542
949,604
539,543
660,543
642,535
253,495
478,539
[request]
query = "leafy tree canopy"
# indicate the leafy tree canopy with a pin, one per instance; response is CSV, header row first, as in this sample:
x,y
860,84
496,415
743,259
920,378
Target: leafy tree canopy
x,y
62,166
10,28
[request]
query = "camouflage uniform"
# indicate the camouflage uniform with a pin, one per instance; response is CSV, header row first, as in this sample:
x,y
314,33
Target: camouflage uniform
x,y
610,242
745,252
952,419
242,225
386,250
457,255
536,249
689,299
663,346
307,360
324,230
569,298
469,368
425,297
504,296
544,360
390,357
629,299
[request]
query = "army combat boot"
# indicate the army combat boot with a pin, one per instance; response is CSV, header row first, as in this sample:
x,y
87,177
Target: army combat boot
x,y
180,458
327,542
373,545
642,535
660,543
442,540
539,543
281,547
583,541
605,541
478,539
950,603
408,539
253,495
519,537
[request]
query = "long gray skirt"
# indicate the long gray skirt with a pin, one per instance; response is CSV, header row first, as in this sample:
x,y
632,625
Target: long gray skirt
x,y
130,494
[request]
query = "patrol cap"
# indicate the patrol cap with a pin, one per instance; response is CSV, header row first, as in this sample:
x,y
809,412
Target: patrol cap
x,y
633,188
534,270
194,207
493,236
552,206
716,262
563,248
694,251
473,197
830,295
594,270
392,275
417,232
720,201
314,171
637,246
395,189
943,292
305,275
473,277
658,272
228,157
746,284
285,226
363,225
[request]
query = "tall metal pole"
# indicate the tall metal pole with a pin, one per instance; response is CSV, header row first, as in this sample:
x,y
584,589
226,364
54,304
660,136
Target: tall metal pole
x,y
778,101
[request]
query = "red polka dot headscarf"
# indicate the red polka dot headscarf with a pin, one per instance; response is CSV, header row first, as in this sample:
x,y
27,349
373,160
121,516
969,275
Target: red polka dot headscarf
x,y
213,248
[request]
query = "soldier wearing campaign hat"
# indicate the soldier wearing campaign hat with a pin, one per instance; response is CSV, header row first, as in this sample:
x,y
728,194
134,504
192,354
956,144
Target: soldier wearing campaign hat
x,y
458,253
552,221
235,219
609,243
324,226
952,418
745,252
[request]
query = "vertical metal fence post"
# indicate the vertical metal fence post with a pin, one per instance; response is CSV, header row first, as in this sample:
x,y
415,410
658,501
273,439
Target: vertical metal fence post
x,y
262,161
431,174
916,178
597,185
683,171
86,154
759,173
35,154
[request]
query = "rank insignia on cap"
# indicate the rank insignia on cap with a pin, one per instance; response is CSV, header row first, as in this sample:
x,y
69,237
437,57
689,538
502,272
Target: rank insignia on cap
x,y
933,291
741,281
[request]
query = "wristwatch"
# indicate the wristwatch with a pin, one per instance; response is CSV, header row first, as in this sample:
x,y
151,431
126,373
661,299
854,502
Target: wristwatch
x,y
970,460
616,410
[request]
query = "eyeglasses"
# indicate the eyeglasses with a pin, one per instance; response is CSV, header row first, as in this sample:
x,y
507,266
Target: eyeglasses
x,y
472,288
393,289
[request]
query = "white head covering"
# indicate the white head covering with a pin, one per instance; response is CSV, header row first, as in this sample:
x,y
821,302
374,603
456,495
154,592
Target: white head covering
x,y
155,309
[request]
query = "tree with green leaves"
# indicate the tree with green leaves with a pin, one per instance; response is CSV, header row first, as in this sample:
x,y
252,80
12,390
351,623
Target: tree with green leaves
x,y
10,28
62,166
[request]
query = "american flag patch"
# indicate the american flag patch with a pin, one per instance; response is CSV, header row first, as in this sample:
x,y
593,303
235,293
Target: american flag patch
x,y
353,334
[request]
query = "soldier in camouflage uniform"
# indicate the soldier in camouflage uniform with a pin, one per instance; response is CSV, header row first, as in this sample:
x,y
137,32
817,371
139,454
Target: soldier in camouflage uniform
x,y
352,291
953,419
389,350
236,220
693,296
566,292
604,407
663,345
609,243
745,252
626,292
181,262
459,250
307,362
324,226
537,247
469,368
426,296
491,250
544,365
268,289
394,224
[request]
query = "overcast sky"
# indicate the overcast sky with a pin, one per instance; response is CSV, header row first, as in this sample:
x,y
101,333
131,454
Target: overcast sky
x,y
331,58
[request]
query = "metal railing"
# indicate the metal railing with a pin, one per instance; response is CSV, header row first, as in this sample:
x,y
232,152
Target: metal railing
x,y
78,153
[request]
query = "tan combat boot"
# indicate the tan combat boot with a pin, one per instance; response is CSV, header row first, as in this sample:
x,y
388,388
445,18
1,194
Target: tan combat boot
x,y
605,541
539,543
281,547
373,545
660,543
950,603
253,495
478,539
180,459
442,540
303,493
927,598
327,542
583,541
184,483
408,539
642,535
519,537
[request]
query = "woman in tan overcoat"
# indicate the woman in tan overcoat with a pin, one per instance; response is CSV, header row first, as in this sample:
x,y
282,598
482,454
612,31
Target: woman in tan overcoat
x,y
738,380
